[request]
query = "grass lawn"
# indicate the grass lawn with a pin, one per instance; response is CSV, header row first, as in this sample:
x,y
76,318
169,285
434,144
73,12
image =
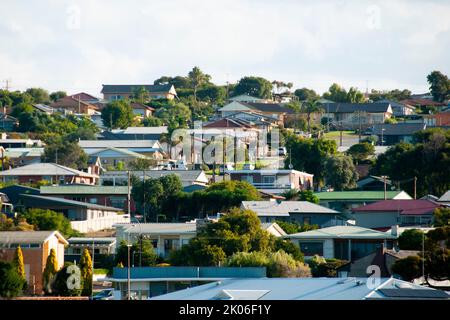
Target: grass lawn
x,y
336,134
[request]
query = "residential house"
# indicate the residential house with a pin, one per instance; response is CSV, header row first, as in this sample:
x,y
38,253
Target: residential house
x,y
85,97
302,212
118,92
55,173
390,134
374,183
445,198
344,201
102,250
70,104
386,213
43,108
110,196
165,237
246,98
111,157
141,110
36,246
20,143
423,103
262,288
355,115
187,177
149,148
342,242
8,123
135,133
147,282
14,194
274,181
274,110
399,109
23,156
84,216
274,229
440,119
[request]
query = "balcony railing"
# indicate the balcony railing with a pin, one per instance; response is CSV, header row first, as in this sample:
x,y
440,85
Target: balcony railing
x,y
260,185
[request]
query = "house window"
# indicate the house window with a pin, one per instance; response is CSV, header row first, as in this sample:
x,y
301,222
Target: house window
x,y
311,248
268,179
306,220
249,179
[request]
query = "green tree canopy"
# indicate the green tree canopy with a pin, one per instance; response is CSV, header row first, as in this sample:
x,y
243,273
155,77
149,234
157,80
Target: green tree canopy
x,y
304,94
254,86
11,283
361,151
38,95
48,220
65,153
117,114
341,173
411,239
86,272
50,270
408,268
147,255
18,262
57,95
439,86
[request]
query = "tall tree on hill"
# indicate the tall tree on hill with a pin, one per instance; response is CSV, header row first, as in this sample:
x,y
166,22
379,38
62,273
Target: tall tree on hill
x,y
310,107
38,95
117,114
439,86
254,86
197,79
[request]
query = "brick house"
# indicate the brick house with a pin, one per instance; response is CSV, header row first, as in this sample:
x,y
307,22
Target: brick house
x,y
36,246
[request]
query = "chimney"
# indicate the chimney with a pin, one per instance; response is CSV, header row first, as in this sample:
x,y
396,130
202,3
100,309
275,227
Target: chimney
x,y
394,230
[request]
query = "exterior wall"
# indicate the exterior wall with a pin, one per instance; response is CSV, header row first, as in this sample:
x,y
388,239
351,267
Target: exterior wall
x,y
99,223
377,219
129,95
282,181
53,179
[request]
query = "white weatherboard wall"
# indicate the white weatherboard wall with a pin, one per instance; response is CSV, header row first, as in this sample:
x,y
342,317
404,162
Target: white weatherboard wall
x,y
99,223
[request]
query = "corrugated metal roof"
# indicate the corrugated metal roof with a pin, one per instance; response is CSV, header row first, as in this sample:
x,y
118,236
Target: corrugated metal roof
x,y
81,189
19,237
119,144
44,169
283,208
291,289
74,203
404,207
358,195
445,197
160,228
130,88
342,232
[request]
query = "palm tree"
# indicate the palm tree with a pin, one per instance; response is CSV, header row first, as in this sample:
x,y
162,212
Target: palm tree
x,y
311,106
197,78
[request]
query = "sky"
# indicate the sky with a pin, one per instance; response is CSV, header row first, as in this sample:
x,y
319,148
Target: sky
x,y
79,45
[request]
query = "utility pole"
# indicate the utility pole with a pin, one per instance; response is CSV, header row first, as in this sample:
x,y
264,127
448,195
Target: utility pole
x,y
129,273
129,194
143,196
359,118
7,84
385,189
415,188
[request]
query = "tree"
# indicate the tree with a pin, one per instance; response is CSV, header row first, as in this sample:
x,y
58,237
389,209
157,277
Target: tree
x,y
51,268
48,220
361,151
38,95
408,268
311,106
394,95
11,283
60,287
197,78
308,195
117,114
441,217
147,256
254,86
57,95
305,94
295,227
338,94
439,86
65,153
290,248
152,122
18,263
175,115
86,272
411,239
341,173
141,164
141,95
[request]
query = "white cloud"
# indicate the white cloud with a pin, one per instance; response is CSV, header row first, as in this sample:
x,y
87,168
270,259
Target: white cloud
x,y
310,43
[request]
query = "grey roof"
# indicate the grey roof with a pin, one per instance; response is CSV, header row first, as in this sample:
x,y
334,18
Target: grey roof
x,y
445,197
44,169
398,129
284,208
73,203
296,289
84,189
352,107
100,240
342,232
24,237
117,143
268,107
160,228
142,130
130,88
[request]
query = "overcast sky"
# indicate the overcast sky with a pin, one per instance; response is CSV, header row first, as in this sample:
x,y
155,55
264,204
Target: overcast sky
x,y
80,45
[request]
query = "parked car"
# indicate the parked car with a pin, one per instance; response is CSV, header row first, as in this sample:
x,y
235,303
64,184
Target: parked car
x,y
107,294
282,151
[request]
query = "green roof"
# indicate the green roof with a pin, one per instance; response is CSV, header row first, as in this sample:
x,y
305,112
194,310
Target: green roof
x,y
360,195
83,189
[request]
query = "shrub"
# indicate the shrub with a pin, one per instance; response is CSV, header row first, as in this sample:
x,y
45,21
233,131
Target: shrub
x,y
11,283
411,239
408,268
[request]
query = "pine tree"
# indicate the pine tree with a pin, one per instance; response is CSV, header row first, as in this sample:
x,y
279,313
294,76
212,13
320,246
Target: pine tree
x,y
86,272
51,267
18,263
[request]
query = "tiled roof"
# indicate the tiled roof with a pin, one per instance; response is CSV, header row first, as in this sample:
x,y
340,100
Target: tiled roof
x,y
127,88
405,207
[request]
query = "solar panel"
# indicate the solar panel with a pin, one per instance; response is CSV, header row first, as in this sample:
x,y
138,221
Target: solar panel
x,y
414,293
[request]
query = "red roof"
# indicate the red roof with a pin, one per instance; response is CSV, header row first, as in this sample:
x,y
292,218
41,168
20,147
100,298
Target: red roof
x,y
422,102
405,207
83,96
